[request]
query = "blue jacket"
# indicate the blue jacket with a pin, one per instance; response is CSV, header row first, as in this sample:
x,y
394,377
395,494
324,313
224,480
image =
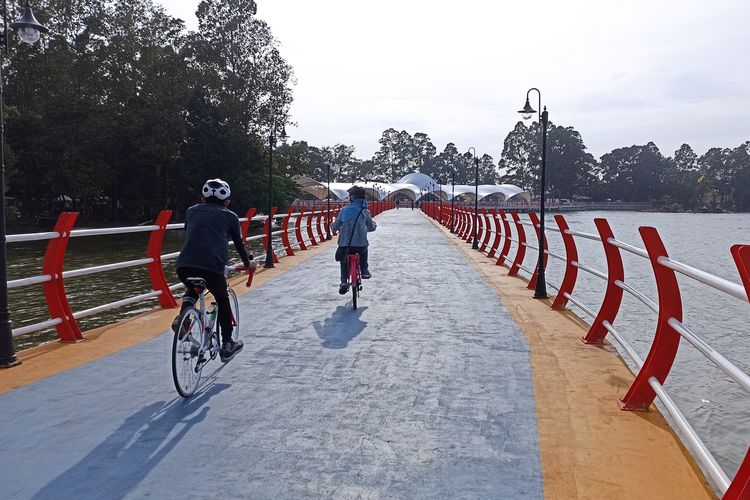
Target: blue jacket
x,y
345,224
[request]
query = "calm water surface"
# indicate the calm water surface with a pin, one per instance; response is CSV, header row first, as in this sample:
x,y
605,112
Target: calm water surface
x,y
715,406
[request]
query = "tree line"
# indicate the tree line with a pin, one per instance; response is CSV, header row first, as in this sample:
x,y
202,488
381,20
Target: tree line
x,y
720,178
122,112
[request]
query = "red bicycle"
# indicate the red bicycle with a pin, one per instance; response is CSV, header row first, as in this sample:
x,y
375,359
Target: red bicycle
x,y
355,278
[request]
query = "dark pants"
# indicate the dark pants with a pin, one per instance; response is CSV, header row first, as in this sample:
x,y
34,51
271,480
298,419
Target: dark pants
x,y
217,285
362,251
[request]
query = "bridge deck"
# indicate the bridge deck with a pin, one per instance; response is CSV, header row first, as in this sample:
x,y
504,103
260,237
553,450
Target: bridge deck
x,y
424,392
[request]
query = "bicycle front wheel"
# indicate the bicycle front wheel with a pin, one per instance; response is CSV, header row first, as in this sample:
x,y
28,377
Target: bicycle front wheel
x,y
235,306
187,364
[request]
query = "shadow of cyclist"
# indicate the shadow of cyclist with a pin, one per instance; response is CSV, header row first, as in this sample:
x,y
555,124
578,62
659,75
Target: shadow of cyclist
x,y
118,464
340,327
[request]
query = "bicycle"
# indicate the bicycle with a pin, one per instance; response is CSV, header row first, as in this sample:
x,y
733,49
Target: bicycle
x,y
196,340
355,277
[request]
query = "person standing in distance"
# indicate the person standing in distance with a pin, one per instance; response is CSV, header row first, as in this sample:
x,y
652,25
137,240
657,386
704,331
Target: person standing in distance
x,y
208,227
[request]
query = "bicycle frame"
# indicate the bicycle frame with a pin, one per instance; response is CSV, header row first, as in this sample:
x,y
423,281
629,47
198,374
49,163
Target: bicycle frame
x,y
355,274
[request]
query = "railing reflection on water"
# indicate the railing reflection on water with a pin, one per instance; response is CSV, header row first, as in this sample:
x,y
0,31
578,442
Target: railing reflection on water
x,y
652,372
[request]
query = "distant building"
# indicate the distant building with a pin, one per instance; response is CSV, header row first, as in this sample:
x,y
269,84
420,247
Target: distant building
x,y
416,187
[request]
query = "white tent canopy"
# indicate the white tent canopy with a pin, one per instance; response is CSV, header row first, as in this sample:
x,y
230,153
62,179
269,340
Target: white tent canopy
x,y
414,186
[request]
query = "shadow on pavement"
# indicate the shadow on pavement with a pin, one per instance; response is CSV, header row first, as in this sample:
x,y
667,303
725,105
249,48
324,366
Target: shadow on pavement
x,y
122,460
340,327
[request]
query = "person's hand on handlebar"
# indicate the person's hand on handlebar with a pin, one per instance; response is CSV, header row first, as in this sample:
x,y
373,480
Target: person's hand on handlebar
x,y
250,270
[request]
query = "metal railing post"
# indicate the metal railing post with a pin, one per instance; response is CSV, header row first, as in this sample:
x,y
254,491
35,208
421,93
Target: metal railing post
x,y
155,269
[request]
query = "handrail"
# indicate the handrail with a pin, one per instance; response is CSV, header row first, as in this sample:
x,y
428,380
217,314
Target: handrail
x,y
709,279
53,275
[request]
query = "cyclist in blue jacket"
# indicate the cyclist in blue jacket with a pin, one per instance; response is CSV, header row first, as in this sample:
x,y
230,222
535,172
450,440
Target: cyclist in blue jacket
x,y
353,224
208,227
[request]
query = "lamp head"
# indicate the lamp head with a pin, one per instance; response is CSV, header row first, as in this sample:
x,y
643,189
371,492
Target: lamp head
x,y
283,135
29,29
527,111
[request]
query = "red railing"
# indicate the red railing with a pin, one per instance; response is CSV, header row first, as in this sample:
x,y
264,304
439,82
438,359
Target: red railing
x,y
53,274
652,373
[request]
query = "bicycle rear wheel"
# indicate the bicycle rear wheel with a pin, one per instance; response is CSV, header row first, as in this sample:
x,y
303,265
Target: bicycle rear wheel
x,y
235,306
354,285
186,363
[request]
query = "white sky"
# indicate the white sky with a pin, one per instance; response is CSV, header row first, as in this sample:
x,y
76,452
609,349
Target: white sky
x,y
619,72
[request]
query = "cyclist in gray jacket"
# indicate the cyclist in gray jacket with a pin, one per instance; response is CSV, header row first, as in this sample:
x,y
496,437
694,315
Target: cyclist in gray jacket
x,y
353,224
208,227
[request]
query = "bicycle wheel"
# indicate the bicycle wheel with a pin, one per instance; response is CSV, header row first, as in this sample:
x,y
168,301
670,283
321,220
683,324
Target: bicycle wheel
x,y
235,306
353,265
186,364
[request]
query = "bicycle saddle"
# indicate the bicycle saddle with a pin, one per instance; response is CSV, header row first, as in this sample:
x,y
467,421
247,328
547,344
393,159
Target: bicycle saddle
x,y
198,284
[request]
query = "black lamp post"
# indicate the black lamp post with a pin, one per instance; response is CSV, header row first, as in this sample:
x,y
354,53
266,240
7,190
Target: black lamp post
x,y
475,243
271,143
540,291
453,196
440,201
29,31
328,201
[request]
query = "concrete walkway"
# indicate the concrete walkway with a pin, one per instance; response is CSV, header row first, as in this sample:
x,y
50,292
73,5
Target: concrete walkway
x,y
424,392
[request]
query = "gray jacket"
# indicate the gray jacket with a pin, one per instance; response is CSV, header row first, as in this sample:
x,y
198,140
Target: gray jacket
x,y
357,233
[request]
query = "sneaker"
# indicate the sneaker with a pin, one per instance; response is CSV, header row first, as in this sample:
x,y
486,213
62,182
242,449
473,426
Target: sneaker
x,y
229,350
343,288
366,276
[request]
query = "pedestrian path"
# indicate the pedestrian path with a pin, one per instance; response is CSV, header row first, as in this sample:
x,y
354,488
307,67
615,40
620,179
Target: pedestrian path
x,y
424,392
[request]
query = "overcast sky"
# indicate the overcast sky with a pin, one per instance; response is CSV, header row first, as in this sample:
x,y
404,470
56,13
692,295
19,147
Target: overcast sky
x,y
619,72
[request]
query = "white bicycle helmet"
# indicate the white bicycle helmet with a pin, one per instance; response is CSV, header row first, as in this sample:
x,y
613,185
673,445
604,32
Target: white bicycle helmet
x,y
217,188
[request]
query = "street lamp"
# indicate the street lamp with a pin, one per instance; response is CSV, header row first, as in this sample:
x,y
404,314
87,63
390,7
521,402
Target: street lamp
x,y
29,31
271,142
440,194
328,200
540,292
475,244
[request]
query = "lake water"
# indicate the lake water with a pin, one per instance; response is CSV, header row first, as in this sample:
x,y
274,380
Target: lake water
x,y
715,406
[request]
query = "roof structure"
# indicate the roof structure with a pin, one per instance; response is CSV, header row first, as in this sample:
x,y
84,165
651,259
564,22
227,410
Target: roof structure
x,y
415,186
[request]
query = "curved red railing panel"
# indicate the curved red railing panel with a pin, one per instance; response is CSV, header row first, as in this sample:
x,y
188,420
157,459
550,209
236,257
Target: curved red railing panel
x,y
318,222
54,290
470,233
535,222
740,487
666,339
498,234
613,294
298,229
571,271
266,245
486,233
309,228
245,226
335,216
741,256
521,252
506,245
155,269
285,232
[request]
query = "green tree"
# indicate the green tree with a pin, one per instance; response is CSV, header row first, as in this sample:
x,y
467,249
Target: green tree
x,y
635,173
